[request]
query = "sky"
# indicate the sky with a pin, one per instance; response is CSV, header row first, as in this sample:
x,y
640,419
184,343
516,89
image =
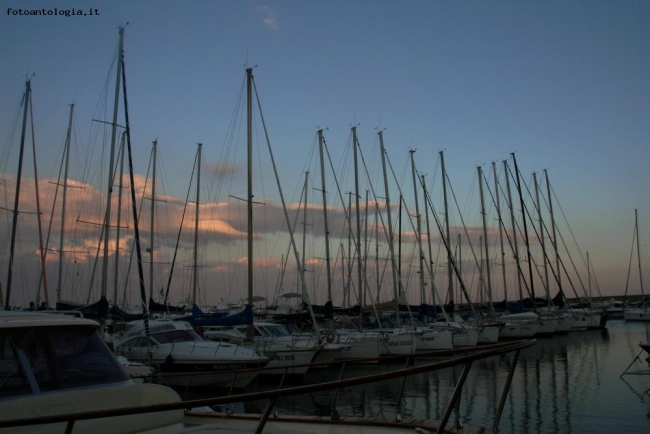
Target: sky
x,y
561,85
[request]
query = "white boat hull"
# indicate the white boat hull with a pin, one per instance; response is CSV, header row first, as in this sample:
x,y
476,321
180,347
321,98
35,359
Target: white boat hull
x,y
401,344
360,346
434,340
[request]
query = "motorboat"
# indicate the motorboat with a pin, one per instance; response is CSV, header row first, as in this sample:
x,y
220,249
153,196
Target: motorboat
x,y
182,358
226,414
56,365
290,354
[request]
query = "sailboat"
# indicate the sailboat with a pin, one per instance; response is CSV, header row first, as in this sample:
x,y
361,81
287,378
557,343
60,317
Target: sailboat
x,y
641,313
267,339
198,318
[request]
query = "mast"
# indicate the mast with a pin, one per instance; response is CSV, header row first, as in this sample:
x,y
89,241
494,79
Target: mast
x,y
14,222
328,312
391,235
450,272
523,214
426,219
196,228
249,135
38,215
541,240
399,239
119,219
588,275
107,218
485,238
349,285
304,224
514,229
558,275
503,253
365,252
65,193
153,213
485,243
638,252
419,227
357,207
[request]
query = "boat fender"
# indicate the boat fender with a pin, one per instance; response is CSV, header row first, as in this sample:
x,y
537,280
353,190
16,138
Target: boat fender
x,y
169,360
330,338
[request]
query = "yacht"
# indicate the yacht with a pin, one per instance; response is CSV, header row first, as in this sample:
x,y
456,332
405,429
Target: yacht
x,y
182,358
290,354
57,365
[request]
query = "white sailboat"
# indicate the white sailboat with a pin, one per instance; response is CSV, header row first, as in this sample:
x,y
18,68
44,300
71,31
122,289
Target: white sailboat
x,y
641,313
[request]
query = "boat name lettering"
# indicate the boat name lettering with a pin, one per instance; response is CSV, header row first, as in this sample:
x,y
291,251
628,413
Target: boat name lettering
x,y
228,366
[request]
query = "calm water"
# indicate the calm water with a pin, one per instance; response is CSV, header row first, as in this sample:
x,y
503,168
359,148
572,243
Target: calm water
x,y
563,384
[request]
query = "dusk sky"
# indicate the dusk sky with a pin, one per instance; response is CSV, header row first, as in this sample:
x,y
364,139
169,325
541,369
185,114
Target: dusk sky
x,y
561,84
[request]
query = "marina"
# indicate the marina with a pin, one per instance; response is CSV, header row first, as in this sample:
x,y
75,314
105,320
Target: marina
x,y
595,381
569,383
452,288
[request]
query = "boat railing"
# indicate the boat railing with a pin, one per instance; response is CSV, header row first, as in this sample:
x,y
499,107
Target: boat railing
x,y
466,360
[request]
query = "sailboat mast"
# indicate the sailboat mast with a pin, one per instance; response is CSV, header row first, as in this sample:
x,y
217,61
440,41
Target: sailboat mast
x,y
14,222
63,204
558,275
638,251
426,219
349,280
249,130
514,228
541,239
485,237
450,272
524,219
304,225
588,275
418,222
503,253
358,218
391,235
107,218
327,231
119,220
196,228
153,214
38,214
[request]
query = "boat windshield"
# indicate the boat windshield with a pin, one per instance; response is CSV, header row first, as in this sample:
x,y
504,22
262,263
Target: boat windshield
x,y
273,330
40,359
176,336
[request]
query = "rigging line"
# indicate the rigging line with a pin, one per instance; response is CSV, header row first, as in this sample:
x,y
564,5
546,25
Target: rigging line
x,y
520,271
99,113
180,229
374,195
127,273
143,294
38,210
563,265
346,212
428,266
6,150
575,241
49,228
453,194
579,252
629,267
570,257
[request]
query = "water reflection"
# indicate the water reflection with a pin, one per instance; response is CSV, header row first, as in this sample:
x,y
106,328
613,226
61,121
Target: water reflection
x,y
566,384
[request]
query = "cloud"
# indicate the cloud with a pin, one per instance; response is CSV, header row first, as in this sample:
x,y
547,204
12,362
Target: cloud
x,y
268,17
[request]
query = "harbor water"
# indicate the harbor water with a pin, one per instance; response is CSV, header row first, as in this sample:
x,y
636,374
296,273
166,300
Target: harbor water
x,y
568,383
